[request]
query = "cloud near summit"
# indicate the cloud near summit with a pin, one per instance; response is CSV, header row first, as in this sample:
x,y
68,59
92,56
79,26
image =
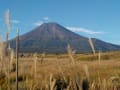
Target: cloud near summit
x,y
38,23
84,30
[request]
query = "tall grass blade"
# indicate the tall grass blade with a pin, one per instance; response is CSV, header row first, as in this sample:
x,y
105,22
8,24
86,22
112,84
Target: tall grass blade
x,y
91,45
17,54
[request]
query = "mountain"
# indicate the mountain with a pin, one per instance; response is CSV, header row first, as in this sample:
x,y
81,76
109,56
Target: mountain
x,y
54,38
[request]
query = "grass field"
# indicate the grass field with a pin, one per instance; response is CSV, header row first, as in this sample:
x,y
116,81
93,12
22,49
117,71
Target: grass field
x,y
59,72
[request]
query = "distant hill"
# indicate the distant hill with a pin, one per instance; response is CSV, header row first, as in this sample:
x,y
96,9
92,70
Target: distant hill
x,y
54,38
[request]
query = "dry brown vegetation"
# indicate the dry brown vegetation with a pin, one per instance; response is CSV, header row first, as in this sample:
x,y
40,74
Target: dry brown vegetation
x,y
58,72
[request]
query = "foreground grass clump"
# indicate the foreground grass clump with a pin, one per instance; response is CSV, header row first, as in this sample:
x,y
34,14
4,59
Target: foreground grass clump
x,y
2,78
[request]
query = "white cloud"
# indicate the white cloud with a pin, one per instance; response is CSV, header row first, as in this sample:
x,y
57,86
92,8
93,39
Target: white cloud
x,y
45,18
84,30
15,21
38,23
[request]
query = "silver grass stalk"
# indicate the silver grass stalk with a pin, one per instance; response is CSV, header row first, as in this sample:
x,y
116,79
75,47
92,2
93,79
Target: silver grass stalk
x,y
42,57
1,52
69,50
78,82
17,53
52,82
11,59
35,65
91,45
7,19
34,71
99,56
86,71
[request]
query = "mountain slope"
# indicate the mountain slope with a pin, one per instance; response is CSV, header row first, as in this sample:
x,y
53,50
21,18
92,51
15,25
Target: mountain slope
x,y
53,38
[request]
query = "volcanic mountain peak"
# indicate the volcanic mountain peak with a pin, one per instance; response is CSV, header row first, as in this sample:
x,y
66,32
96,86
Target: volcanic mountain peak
x,y
54,38
50,30
50,25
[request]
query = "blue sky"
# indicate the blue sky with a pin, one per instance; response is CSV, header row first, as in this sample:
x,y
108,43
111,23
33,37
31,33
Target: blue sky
x,y
92,18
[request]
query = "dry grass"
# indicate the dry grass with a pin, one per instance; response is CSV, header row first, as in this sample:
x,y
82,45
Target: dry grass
x,y
51,71
71,71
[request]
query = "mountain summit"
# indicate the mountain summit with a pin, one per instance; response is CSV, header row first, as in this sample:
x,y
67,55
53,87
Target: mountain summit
x,y
54,38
